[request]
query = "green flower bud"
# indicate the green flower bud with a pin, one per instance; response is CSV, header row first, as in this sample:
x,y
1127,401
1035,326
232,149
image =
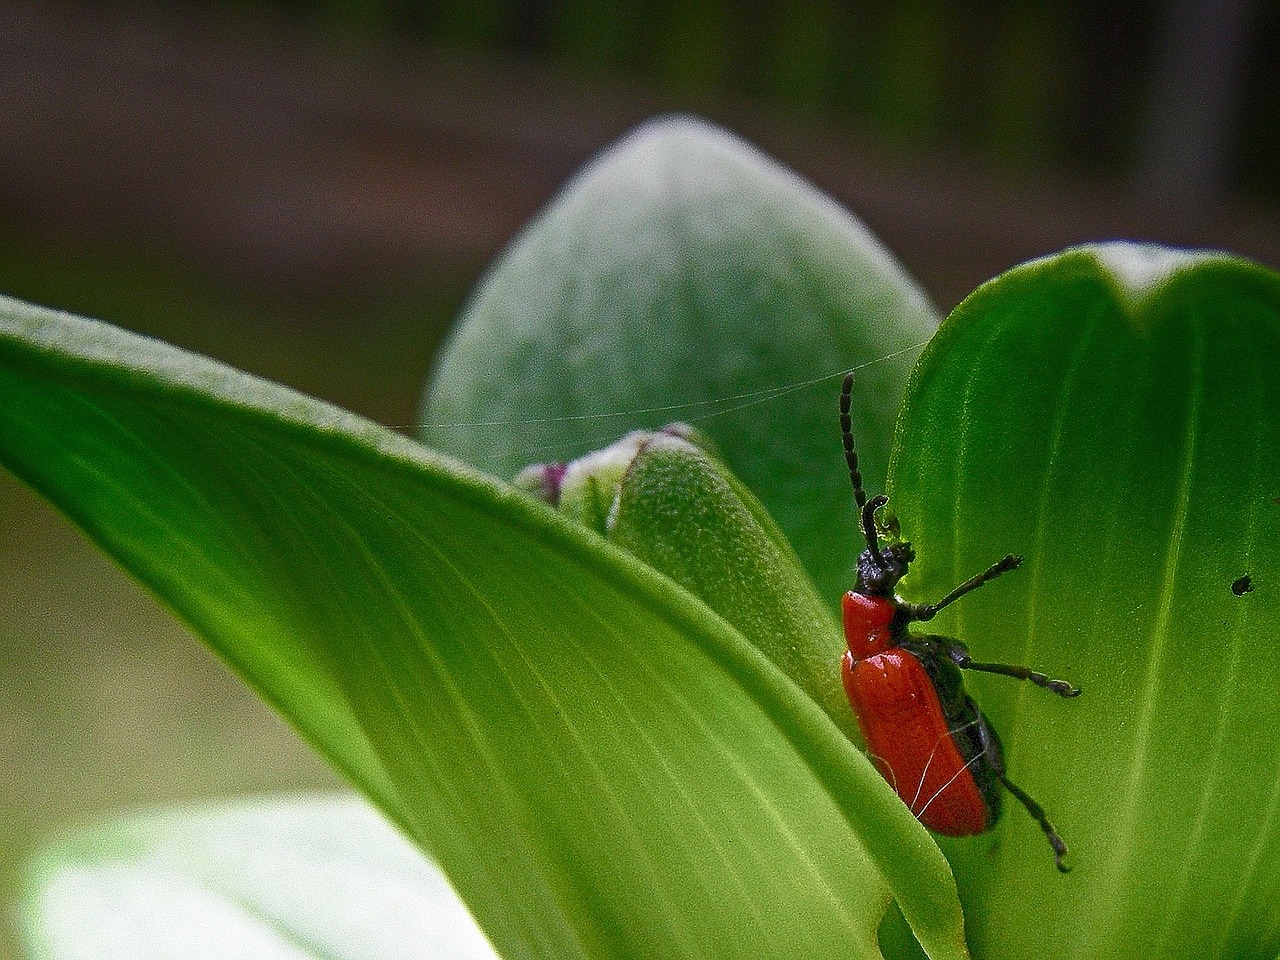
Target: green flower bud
x,y
664,498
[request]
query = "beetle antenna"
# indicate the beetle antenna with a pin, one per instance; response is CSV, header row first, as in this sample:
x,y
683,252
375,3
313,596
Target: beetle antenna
x,y
869,525
846,435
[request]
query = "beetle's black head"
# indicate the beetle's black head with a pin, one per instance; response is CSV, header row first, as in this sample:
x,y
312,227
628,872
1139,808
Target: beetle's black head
x,y
880,568
878,574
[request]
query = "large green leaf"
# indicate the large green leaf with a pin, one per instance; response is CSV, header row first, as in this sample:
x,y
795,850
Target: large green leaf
x,y
303,879
602,766
681,276
1113,413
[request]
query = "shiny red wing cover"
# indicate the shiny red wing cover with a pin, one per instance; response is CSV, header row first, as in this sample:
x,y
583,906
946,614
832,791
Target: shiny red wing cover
x,y
908,740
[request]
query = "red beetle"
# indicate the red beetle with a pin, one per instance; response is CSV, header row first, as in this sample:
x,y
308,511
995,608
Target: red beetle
x,y
926,735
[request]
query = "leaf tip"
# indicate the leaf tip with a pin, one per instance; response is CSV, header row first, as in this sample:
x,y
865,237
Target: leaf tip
x,y
1140,268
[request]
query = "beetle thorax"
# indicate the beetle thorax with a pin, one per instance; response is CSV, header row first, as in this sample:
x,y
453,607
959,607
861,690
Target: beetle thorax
x,y
867,624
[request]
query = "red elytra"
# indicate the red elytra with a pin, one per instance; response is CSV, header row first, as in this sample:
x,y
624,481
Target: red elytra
x,y
905,726
924,733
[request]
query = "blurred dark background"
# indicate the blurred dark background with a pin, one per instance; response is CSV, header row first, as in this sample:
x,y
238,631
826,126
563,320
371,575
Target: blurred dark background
x,y
308,188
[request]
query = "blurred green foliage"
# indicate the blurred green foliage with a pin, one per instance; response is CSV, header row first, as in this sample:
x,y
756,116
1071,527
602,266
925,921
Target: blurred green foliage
x,y
1067,85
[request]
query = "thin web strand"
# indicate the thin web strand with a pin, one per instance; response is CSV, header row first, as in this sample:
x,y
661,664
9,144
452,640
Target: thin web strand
x,y
739,401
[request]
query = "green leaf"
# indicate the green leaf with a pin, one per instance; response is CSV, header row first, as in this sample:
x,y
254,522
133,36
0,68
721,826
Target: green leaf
x,y
1113,413
684,268
600,764
323,878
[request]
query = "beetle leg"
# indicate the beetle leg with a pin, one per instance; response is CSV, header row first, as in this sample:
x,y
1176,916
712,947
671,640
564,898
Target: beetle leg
x,y
959,655
927,611
1038,815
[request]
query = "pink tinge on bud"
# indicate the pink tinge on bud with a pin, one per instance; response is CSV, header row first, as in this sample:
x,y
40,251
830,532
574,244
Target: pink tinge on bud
x,y
543,480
